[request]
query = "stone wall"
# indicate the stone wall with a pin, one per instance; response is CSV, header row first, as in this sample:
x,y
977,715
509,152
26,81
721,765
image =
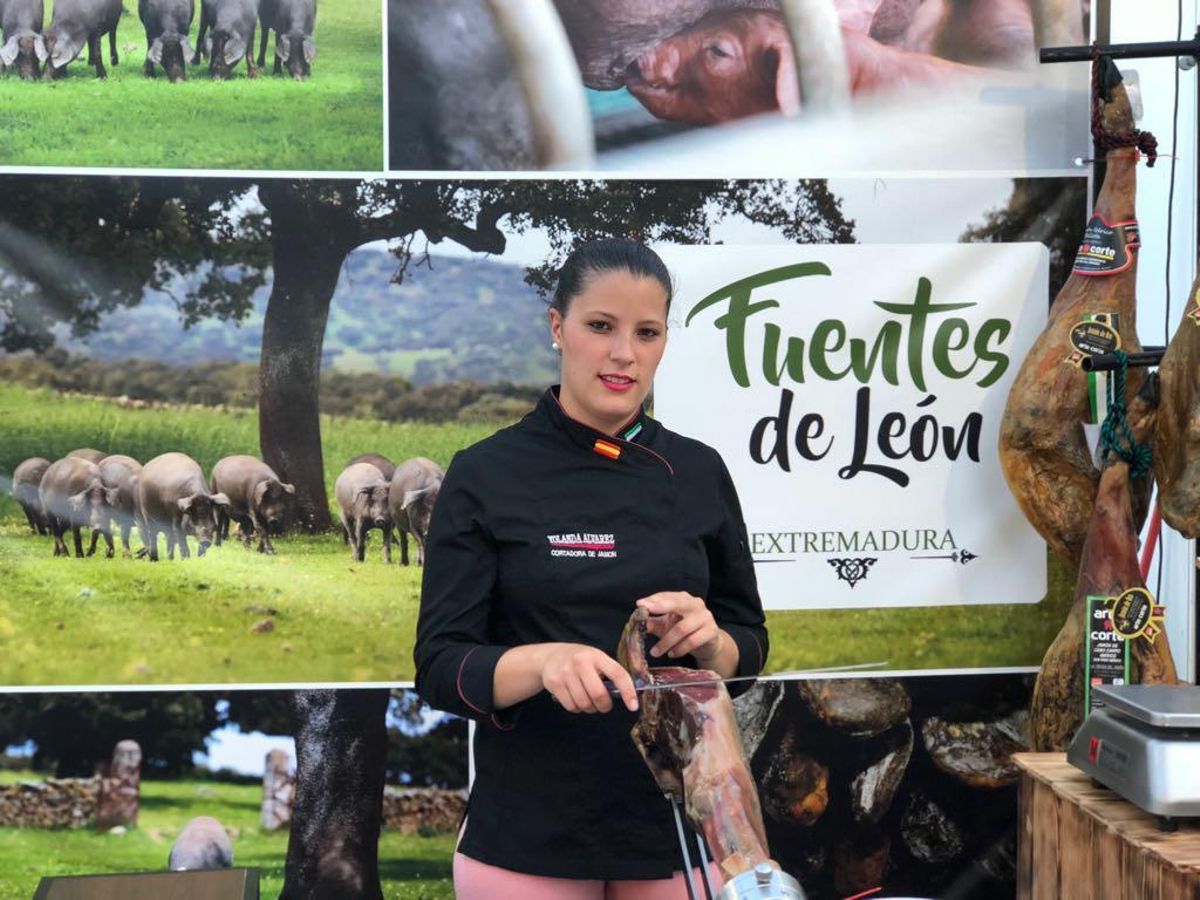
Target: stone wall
x,y
53,803
423,810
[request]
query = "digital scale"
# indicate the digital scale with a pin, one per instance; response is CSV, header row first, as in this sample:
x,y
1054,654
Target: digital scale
x,y
1144,744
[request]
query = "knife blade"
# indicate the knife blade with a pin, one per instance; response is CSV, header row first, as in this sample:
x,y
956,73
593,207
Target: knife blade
x,y
777,676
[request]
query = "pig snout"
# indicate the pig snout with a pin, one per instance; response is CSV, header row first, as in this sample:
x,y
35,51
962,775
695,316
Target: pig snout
x,y
656,68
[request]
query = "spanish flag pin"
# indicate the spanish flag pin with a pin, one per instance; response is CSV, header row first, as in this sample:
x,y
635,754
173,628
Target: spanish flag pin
x,y
604,448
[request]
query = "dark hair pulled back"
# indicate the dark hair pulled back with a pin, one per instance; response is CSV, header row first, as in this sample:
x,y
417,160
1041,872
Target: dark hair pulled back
x,y
607,255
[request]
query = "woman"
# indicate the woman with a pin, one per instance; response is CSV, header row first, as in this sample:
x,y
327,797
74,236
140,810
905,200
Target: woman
x,y
544,537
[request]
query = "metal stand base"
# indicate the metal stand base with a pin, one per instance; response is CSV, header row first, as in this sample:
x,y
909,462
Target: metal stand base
x,y
763,882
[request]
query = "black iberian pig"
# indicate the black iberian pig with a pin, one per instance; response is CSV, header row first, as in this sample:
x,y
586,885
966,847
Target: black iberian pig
x,y
411,495
202,844
362,498
120,473
230,25
77,23
172,497
454,101
74,497
24,48
89,454
27,478
293,22
258,500
382,463
167,23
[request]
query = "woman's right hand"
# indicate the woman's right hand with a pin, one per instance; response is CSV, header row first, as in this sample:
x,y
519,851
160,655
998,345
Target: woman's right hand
x,y
574,673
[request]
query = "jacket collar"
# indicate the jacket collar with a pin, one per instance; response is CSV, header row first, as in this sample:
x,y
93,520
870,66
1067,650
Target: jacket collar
x,y
635,431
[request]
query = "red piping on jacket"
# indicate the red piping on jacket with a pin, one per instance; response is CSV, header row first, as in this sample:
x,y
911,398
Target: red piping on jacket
x,y
608,437
458,687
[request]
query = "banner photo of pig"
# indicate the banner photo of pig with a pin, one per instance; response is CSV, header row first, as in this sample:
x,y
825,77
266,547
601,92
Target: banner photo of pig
x,y
469,88
708,61
245,60
258,410
324,793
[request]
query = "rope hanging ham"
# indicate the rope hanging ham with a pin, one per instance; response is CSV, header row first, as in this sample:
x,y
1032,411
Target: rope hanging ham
x,y
1104,137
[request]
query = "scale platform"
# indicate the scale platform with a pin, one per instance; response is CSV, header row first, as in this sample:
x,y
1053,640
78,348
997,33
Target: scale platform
x,y
1144,744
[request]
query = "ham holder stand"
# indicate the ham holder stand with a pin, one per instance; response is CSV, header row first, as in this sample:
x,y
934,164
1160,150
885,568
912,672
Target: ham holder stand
x,y
1143,741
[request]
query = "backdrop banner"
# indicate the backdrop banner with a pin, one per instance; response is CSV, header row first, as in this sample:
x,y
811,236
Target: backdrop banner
x,y
860,390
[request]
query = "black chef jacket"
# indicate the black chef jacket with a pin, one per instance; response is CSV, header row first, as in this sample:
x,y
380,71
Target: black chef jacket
x,y
550,531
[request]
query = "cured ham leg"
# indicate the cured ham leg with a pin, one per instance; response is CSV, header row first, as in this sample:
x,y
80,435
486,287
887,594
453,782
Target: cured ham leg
x,y
1043,450
690,740
1109,567
1177,437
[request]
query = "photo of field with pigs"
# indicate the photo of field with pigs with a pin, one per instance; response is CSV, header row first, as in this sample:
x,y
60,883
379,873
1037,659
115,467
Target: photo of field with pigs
x,y
324,348
192,84
646,70
157,782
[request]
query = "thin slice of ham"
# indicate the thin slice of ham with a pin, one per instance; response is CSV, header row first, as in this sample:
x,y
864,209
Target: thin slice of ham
x,y
690,740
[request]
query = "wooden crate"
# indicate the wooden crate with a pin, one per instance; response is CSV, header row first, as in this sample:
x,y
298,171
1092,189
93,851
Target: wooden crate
x,y
1078,840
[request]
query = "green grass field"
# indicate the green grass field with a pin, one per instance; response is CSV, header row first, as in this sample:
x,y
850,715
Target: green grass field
x,y
333,121
97,621
410,866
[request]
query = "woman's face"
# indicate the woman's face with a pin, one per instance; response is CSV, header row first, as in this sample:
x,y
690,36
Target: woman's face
x,y
612,339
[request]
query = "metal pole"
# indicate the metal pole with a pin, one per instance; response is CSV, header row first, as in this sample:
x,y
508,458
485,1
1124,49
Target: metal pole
x,y
709,890
1147,50
687,857
820,54
550,80
1107,362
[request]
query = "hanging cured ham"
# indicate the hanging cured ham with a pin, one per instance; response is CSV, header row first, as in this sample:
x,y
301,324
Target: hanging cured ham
x,y
1177,436
690,740
1109,569
1044,452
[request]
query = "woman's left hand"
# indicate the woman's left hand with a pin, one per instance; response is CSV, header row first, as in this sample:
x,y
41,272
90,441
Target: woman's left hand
x,y
683,624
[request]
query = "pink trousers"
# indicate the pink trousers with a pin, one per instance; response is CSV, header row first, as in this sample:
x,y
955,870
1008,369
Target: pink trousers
x,y
474,880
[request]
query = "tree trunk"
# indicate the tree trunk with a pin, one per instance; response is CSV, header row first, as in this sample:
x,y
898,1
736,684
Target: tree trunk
x,y
312,231
341,753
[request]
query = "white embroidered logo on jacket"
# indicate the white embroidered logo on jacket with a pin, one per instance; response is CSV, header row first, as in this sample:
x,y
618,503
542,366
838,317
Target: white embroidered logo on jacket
x,y
584,545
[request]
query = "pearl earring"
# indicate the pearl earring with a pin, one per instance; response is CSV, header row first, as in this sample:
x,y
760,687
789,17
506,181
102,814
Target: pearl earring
x,y
554,345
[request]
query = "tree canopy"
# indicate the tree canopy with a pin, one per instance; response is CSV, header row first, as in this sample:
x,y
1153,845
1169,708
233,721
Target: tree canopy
x,y
73,248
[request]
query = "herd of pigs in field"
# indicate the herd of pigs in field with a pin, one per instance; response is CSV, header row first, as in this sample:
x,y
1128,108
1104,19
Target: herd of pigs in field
x,y
225,35
170,496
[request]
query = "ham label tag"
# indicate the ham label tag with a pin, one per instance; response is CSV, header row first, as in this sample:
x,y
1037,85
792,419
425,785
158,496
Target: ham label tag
x,y
1135,614
1097,334
1095,338
1106,656
1106,249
